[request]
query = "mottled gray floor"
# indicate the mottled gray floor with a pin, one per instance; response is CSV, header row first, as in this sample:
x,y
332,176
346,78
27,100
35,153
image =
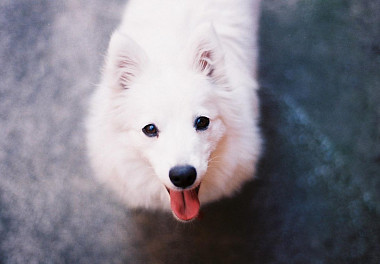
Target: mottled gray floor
x,y
317,196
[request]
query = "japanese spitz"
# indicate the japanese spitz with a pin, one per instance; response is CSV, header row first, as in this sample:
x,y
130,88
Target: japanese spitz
x,y
173,123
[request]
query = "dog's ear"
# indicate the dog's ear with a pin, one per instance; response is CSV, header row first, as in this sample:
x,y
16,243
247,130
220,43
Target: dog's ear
x,y
206,52
125,60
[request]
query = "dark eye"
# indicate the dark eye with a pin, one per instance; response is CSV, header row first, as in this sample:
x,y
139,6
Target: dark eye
x,y
201,123
150,130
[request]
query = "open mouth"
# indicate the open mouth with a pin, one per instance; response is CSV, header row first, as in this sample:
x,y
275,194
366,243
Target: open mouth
x,y
185,204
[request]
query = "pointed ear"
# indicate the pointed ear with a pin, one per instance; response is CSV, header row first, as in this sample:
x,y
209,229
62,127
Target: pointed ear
x,y
206,52
125,61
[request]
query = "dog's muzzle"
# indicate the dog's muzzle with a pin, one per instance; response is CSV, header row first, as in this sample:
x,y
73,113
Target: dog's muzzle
x,y
185,202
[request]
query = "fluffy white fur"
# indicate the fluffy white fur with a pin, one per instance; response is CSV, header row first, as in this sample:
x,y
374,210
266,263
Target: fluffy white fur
x,y
169,62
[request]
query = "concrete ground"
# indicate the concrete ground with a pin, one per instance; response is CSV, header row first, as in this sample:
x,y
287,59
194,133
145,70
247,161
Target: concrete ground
x,y
317,196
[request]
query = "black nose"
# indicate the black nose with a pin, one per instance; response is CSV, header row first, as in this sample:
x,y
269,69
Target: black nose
x,y
183,176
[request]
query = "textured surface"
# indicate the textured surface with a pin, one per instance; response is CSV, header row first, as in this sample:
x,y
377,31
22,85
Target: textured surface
x,y
317,196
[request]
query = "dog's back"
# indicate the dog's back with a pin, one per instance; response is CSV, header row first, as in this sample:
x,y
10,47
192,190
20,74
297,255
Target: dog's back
x,y
166,25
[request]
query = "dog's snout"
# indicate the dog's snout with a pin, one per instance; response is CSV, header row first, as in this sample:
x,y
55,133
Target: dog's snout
x,y
183,176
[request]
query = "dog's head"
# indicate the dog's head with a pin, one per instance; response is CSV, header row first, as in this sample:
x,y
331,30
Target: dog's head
x,y
168,106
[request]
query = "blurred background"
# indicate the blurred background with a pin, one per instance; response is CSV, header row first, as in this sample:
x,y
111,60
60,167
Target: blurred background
x,y
316,198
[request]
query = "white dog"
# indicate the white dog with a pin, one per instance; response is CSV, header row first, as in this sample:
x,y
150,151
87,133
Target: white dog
x,y
173,123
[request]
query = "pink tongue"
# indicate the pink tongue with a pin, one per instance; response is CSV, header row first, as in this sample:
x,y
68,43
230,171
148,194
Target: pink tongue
x,y
185,204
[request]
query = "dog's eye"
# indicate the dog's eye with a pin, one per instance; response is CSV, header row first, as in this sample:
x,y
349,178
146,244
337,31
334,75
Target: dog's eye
x,y
201,123
150,130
